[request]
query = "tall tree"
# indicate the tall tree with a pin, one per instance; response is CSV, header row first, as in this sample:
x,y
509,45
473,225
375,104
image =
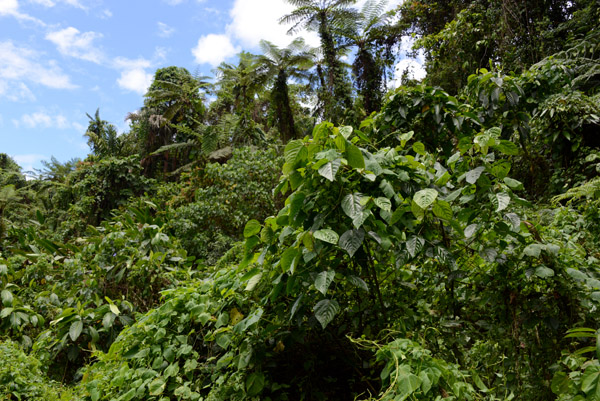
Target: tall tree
x,y
174,98
373,36
102,137
279,65
459,36
238,86
327,17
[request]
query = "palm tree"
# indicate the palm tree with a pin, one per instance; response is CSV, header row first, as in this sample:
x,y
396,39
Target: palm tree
x,y
238,87
327,17
279,64
102,137
370,33
173,108
178,95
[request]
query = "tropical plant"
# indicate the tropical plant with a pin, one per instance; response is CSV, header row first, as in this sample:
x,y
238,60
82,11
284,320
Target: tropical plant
x,y
326,17
279,66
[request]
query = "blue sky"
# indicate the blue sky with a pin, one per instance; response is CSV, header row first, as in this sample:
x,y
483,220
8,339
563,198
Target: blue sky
x,y
61,59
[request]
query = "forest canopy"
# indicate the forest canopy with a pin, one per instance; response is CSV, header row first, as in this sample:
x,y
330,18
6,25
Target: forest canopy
x,y
295,227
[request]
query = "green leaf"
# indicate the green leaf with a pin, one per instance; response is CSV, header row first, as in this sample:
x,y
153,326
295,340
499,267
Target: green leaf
x,y
544,272
255,382
507,147
533,250
346,131
577,275
470,230
406,137
408,383
473,175
590,381
327,235
324,280
443,210
351,240
561,383
354,156
414,245
289,259
7,297
383,203
419,148
114,309
253,282
514,220
501,168
325,310
513,184
292,151
252,228
358,282
351,204
503,200
425,197
75,330
359,219
157,386
329,170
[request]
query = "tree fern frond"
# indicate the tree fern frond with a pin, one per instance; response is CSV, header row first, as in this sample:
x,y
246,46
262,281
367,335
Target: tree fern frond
x,y
589,190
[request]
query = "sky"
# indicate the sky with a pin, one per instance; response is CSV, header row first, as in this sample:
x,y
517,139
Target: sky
x,y
61,59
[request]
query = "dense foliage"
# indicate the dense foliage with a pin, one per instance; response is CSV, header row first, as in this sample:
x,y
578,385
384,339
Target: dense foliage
x,y
309,234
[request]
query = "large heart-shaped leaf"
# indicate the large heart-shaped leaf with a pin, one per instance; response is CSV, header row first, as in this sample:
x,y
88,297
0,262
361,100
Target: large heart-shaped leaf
x,y
351,240
326,310
329,170
324,280
327,235
351,205
293,151
473,175
425,197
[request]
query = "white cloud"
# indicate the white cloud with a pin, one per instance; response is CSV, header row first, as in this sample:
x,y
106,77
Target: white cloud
x,y
134,76
164,30
16,91
71,42
43,119
413,67
253,20
214,49
52,3
11,8
26,161
45,3
19,65
160,53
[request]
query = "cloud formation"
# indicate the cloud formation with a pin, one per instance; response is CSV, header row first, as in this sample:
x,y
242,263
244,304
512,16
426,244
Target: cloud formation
x,y
134,76
253,20
214,49
10,8
43,119
52,3
164,30
73,43
19,65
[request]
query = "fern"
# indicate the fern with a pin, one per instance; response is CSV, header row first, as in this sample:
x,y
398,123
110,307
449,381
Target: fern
x,y
589,190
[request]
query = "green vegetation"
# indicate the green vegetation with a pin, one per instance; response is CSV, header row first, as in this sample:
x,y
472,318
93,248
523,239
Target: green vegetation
x,y
438,241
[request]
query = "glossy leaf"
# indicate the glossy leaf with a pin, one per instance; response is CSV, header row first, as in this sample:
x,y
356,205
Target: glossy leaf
x,y
325,310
